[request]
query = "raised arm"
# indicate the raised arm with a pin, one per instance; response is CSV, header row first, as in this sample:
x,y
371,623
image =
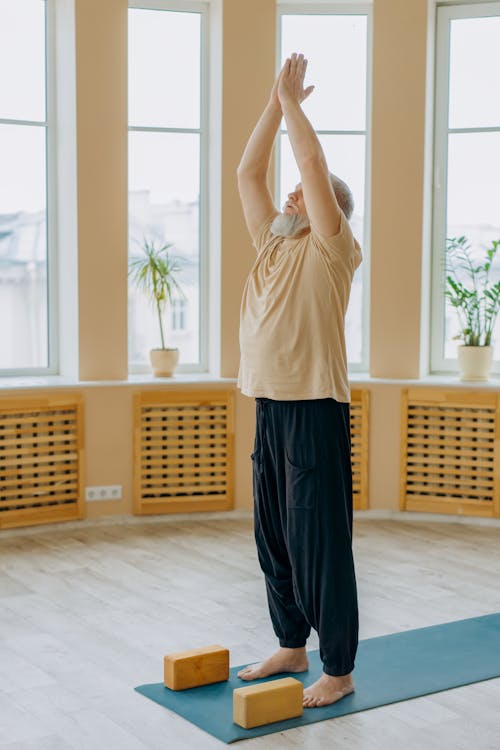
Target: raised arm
x,y
319,196
254,192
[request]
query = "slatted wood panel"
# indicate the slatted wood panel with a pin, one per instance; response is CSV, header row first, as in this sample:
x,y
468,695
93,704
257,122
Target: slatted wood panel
x,y
450,451
41,458
183,451
359,419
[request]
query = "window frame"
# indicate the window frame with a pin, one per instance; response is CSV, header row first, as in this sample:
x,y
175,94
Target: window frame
x,y
336,9
203,9
52,298
439,364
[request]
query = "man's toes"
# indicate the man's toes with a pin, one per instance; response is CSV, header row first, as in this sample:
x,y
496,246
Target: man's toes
x,y
313,701
249,673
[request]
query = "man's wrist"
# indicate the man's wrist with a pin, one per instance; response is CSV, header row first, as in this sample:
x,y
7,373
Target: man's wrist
x,y
289,105
275,106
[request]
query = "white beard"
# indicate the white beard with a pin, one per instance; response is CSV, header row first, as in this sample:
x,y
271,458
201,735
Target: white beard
x,y
284,225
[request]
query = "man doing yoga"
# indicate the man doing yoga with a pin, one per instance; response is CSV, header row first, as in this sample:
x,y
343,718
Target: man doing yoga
x,y
293,362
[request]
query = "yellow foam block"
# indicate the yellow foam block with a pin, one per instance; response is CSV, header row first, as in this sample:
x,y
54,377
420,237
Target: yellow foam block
x,y
199,666
267,702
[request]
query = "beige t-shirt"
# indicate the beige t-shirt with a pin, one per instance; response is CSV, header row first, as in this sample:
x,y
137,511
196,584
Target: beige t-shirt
x,y
292,315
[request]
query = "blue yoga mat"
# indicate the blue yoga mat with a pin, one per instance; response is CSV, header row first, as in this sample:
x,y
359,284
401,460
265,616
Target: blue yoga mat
x,y
389,668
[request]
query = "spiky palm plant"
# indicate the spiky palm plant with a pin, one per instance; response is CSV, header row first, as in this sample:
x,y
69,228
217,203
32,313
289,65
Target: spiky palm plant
x,y
477,307
155,274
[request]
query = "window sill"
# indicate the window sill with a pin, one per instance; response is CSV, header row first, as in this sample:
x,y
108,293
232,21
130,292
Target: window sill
x,y
204,378
446,379
59,381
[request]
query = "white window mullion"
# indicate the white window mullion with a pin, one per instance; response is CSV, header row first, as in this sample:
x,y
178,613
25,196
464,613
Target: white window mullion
x,y
439,196
358,308
195,339
203,229
441,226
52,191
28,299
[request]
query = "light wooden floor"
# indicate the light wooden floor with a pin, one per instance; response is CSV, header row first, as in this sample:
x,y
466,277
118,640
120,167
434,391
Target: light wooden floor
x,y
87,614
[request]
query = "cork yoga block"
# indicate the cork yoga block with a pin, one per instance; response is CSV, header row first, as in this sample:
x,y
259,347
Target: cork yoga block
x,y
270,701
200,666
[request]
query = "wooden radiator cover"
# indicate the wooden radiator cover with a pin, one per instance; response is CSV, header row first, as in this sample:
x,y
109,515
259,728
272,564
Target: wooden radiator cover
x,y
450,452
184,453
359,419
41,456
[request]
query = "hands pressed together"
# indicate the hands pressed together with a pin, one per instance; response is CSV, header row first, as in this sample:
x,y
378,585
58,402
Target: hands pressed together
x,y
289,85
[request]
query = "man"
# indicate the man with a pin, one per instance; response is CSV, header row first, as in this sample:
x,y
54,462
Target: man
x,y
293,361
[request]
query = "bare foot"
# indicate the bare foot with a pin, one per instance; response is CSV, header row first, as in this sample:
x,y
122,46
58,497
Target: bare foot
x,y
284,660
326,690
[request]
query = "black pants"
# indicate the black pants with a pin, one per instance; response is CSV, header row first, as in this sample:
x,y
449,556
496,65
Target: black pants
x,y
302,485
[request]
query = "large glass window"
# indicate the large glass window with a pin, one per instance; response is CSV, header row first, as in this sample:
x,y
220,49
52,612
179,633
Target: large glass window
x,y
24,284
166,158
466,190
335,45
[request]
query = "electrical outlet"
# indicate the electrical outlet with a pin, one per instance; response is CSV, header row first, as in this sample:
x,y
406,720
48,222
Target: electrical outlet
x,y
107,492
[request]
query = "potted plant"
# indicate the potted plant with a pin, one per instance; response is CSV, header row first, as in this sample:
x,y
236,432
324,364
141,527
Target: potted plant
x,y
476,305
155,275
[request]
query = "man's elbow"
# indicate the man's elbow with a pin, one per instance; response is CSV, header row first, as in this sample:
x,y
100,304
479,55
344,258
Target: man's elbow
x,y
250,174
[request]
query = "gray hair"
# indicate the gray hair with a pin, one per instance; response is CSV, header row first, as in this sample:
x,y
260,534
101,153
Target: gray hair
x,y
343,195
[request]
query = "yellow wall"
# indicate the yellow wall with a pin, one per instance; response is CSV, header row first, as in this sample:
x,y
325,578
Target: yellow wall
x,y
249,62
397,150
101,86
399,66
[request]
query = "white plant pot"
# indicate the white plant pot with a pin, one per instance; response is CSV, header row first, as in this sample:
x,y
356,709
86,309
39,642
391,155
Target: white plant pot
x,y
474,362
164,362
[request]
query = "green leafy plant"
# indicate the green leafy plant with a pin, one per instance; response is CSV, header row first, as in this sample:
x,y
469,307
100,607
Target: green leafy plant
x,y
155,275
477,304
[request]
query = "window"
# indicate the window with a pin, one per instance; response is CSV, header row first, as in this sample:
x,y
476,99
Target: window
x,y
466,189
25,302
335,41
167,155
178,314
